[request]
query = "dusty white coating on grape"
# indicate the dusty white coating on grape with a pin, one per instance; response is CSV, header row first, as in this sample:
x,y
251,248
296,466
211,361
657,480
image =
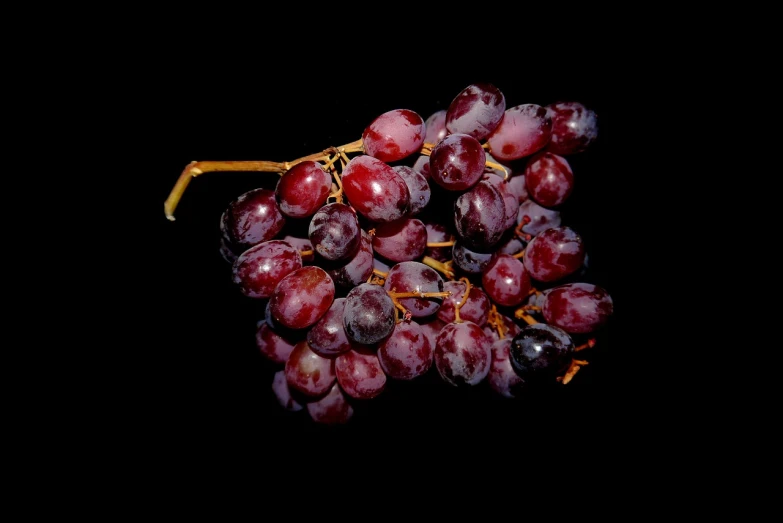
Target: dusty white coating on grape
x,y
463,353
283,393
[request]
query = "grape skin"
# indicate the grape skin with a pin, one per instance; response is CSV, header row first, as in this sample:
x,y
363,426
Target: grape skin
x,y
394,135
250,219
502,377
283,393
549,179
475,309
308,372
463,354
418,187
375,189
401,240
332,409
407,353
327,336
480,216
506,281
554,254
414,276
540,351
577,307
369,314
274,346
435,127
258,270
302,297
524,130
358,268
574,127
334,231
457,162
359,373
540,218
303,189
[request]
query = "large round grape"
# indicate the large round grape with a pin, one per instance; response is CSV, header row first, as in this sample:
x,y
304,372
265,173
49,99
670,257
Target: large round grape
x,y
506,281
335,232
476,110
524,130
554,254
457,162
549,179
463,353
302,297
394,135
250,219
258,270
540,352
303,189
406,353
574,127
577,307
369,314
375,189
480,216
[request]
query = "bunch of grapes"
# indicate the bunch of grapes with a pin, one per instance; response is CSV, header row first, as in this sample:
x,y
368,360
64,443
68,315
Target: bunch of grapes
x,y
427,245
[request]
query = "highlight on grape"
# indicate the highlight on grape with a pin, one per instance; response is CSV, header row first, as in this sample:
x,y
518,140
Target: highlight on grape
x,y
434,245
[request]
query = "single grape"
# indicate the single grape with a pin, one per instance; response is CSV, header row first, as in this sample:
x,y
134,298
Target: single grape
x,y
476,110
303,189
510,200
549,179
335,232
524,130
258,270
435,127
540,352
309,372
468,260
506,281
574,127
394,135
302,297
577,307
250,219
457,162
359,373
462,353
407,352
375,189
554,254
480,216
369,314
401,240
273,345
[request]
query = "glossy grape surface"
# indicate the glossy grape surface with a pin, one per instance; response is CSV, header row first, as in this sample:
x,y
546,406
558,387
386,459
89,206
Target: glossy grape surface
x,y
540,352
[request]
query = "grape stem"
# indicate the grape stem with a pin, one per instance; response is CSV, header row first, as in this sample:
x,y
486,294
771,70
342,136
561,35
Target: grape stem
x,y
496,321
396,296
443,267
432,245
194,169
521,315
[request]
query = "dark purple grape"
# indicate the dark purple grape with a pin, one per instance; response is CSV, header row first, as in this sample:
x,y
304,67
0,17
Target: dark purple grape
x,y
480,216
540,352
476,110
327,336
524,130
577,307
282,392
574,127
457,162
537,218
369,314
502,377
418,187
359,267
468,260
335,232
252,218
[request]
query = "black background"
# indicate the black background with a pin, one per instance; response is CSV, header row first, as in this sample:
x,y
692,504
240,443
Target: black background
x,y
202,386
